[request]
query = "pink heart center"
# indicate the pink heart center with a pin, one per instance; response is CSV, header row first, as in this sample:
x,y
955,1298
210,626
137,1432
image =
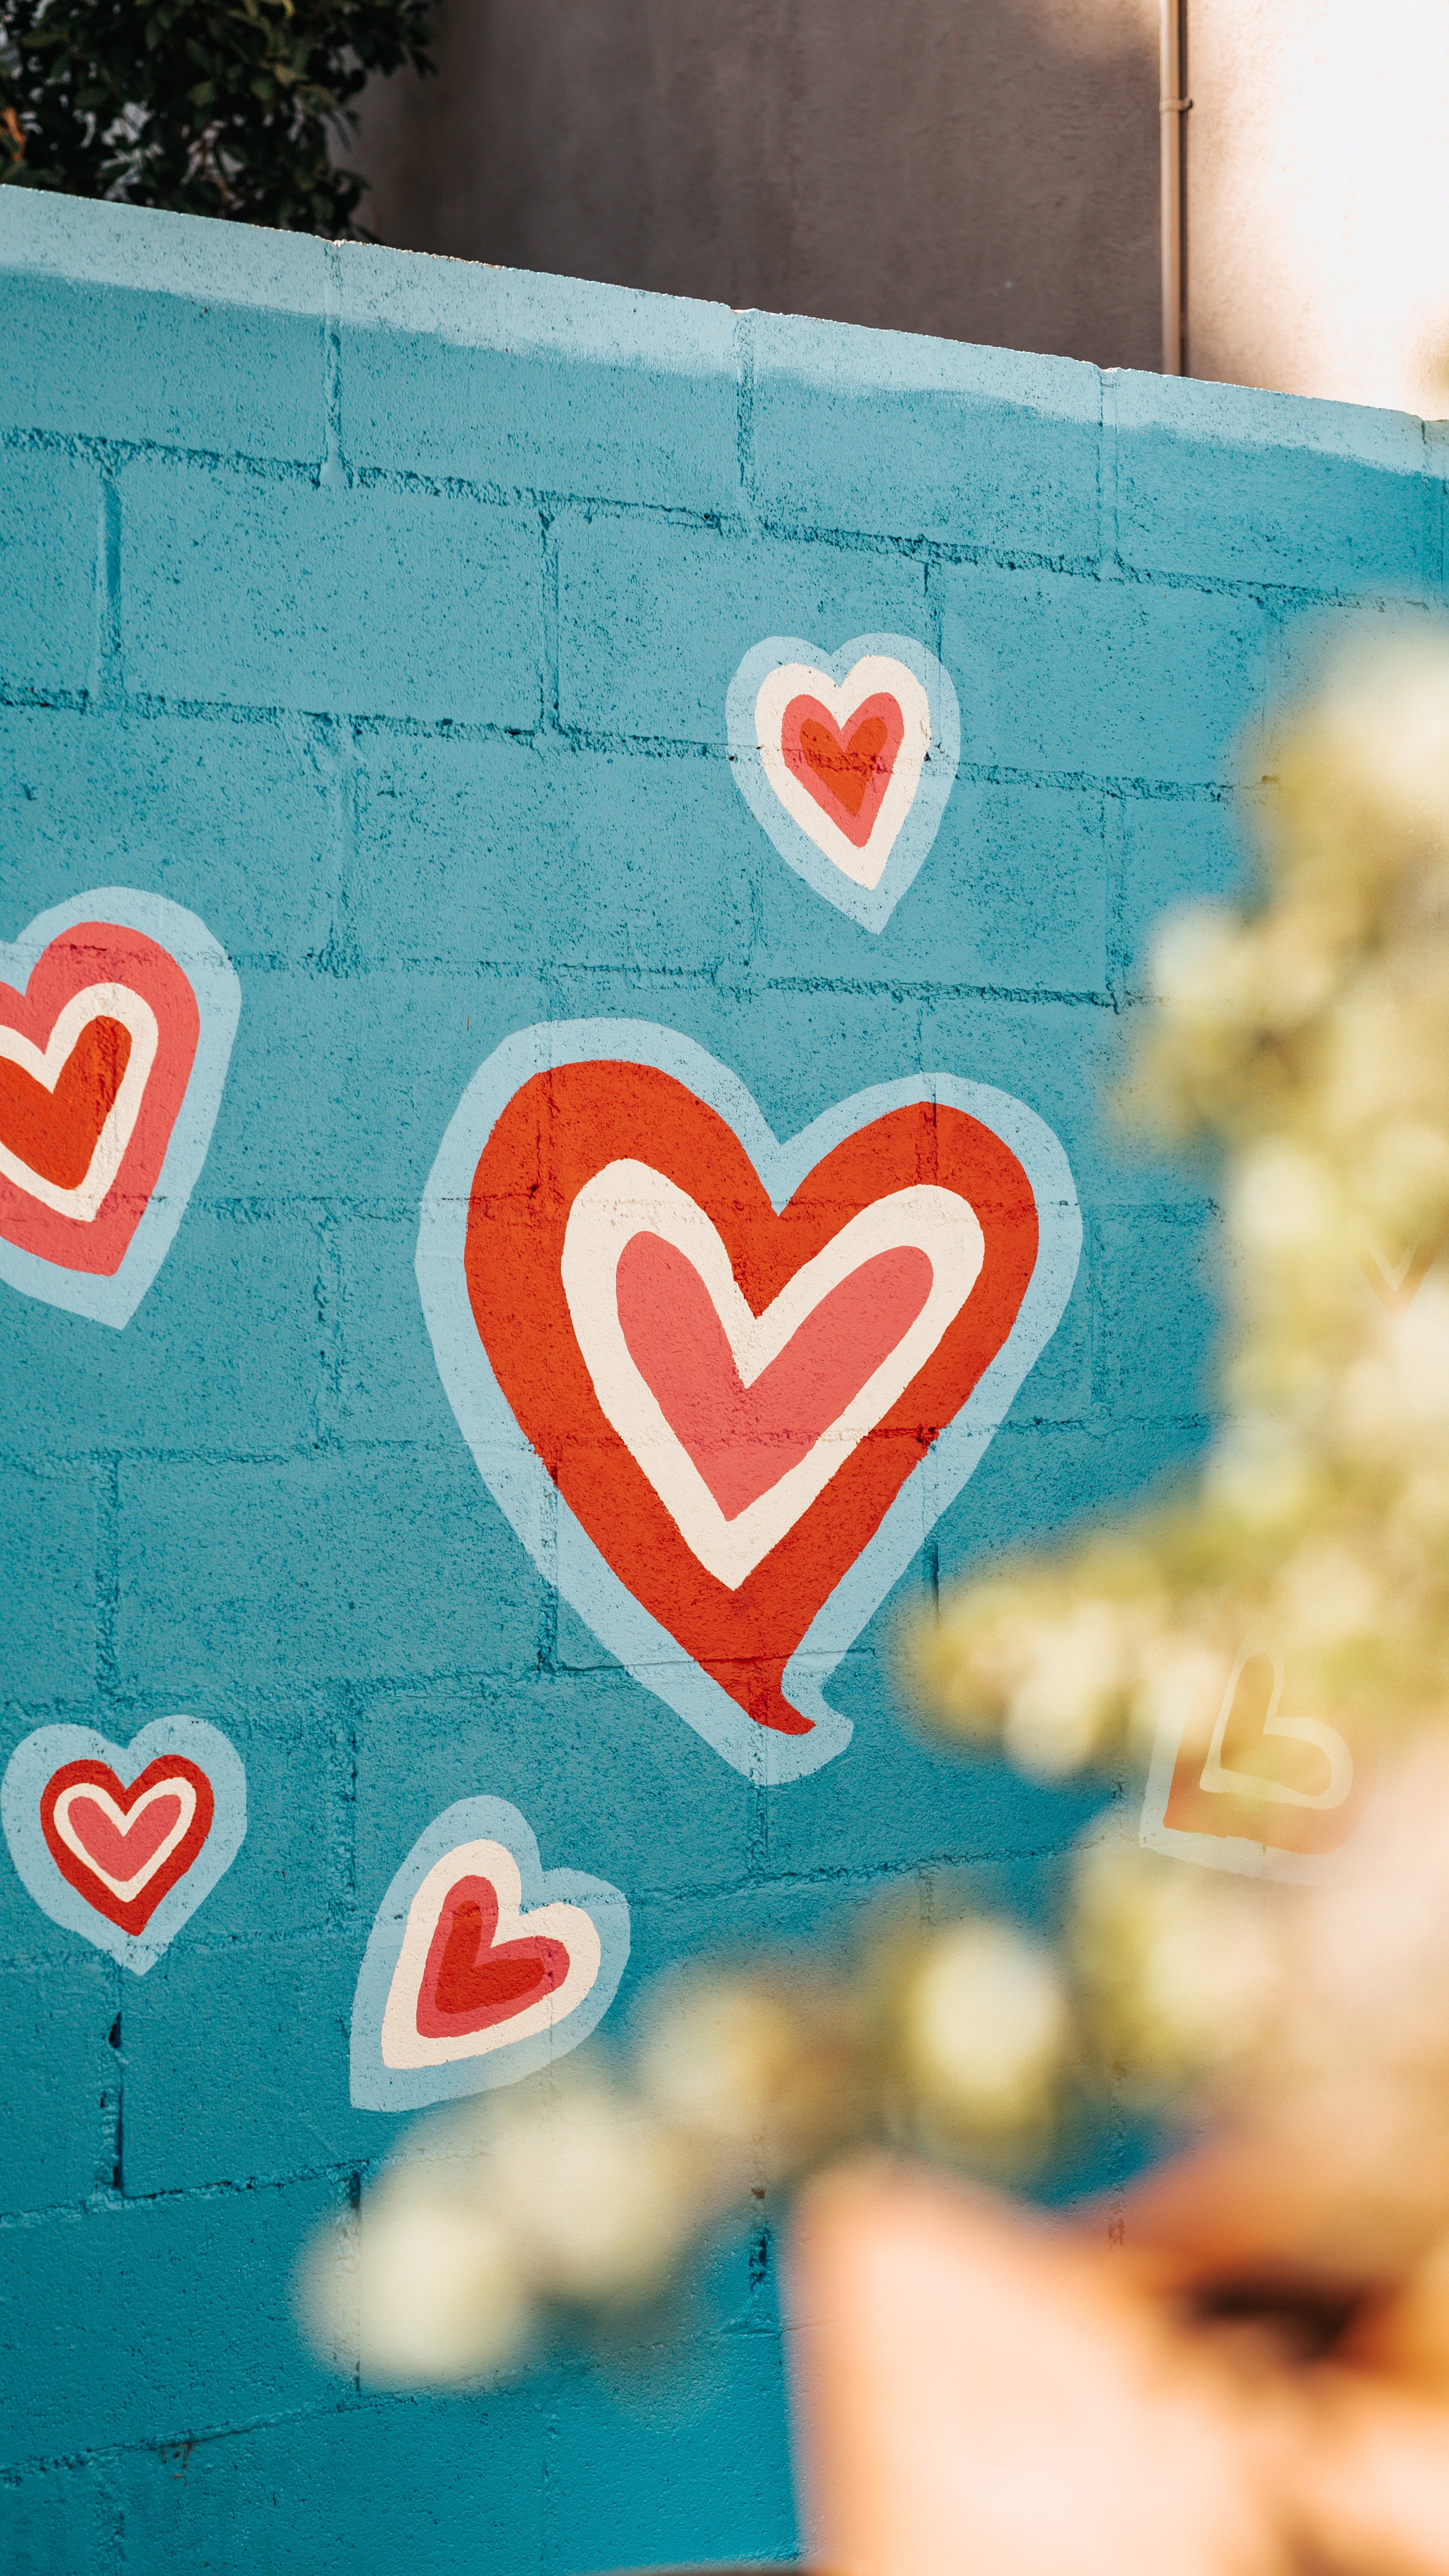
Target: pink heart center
x,y
472,1980
122,1854
743,1439
846,769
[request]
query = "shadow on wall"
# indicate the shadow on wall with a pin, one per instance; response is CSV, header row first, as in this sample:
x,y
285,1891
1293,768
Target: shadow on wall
x,y
981,169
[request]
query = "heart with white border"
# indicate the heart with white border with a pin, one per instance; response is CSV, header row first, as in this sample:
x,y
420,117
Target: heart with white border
x,y
481,1966
847,759
122,1843
117,1014
723,1387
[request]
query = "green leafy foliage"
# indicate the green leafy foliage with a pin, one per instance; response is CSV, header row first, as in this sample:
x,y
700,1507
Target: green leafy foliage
x,y
206,107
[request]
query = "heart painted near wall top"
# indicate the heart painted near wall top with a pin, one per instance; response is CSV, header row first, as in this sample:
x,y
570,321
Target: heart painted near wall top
x,y
847,759
117,1014
703,1373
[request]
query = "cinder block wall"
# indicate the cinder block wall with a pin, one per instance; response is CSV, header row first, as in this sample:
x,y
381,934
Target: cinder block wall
x,y
381,611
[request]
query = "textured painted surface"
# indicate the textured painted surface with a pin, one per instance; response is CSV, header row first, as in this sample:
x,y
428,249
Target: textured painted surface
x,y
382,612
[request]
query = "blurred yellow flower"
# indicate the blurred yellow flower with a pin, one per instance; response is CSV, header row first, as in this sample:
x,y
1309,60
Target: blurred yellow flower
x,y
1311,1040
985,2029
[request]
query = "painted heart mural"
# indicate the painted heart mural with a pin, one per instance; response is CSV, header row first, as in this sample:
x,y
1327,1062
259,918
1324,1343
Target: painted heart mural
x,y
723,1386
117,1014
1238,1785
481,1966
122,1843
847,760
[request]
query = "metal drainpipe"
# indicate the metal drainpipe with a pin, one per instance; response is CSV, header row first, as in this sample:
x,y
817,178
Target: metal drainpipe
x,y
1171,109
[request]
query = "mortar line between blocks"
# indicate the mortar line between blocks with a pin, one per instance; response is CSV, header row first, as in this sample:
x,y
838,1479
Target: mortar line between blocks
x,y
1114,837
107,687
744,336
1109,563
552,578
333,473
329,1301
108,1579
341,1917
115,2514
116,2143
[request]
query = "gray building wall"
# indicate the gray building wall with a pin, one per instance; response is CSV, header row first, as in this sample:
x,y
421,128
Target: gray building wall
x,y
982,169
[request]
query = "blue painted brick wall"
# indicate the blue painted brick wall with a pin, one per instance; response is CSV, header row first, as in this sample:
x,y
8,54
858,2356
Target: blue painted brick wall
x,y
381,610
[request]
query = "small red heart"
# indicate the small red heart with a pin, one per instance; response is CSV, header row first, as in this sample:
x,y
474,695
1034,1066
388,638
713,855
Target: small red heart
x,y
846,773
51,1122
472,1981
122,1851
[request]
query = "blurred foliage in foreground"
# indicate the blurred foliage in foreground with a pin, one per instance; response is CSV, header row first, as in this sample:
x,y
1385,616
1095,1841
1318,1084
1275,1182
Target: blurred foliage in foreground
x,y
1310,1039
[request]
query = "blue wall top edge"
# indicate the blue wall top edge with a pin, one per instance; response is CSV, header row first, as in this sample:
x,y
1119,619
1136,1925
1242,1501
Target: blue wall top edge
x,y
472,305
1246,416
85,241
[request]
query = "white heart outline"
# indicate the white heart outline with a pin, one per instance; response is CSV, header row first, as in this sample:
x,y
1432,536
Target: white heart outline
x,y
485,2061
731,1549
32,1766
401,2043
123,1818
802,832
520,1483
876,674
213,981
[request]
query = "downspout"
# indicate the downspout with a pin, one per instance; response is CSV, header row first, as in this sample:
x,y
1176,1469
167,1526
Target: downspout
x,y
1172,107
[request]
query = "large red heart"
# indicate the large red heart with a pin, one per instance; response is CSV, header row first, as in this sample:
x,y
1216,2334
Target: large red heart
x,y
473,1981
95,1058
124,1848
559,1132
847,773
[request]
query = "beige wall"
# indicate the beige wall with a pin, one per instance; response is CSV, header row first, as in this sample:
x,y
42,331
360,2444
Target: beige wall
x,y
1318,197
986,169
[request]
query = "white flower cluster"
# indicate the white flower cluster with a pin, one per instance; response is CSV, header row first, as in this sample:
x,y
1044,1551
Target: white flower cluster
x,y
581,2189
1310,1041
1312,2019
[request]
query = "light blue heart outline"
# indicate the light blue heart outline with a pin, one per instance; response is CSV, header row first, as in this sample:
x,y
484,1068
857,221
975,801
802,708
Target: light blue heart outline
x,y
871,906
37,1757
213,980
520,1483
378,2087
